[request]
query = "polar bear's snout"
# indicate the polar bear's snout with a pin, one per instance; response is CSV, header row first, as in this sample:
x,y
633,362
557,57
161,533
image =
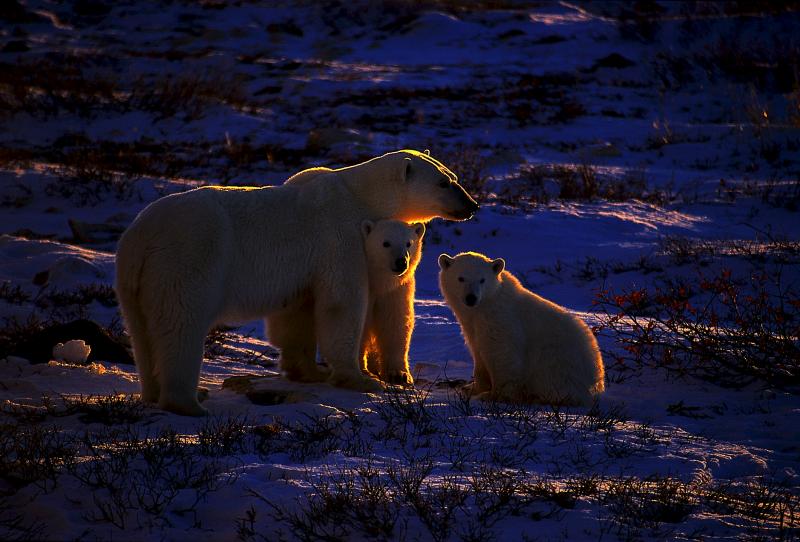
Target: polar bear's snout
x,y
400,265
473,294
467,207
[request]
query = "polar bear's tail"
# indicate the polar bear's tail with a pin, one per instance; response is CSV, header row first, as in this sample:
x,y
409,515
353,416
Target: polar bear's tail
x,y
130,263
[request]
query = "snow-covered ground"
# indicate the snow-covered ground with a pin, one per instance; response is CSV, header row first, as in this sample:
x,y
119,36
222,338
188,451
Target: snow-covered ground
x,y
597,139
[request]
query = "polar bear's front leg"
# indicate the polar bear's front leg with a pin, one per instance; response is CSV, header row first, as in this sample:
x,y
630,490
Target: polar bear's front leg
x,y
179,356
393,325
370,361
340,324
480,375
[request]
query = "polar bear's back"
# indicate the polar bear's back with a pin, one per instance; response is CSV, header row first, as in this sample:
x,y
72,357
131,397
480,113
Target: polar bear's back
x,y
216,237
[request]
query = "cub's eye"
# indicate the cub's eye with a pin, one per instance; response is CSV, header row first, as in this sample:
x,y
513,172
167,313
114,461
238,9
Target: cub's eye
x,y
444,183
460,279
387,244
483,280
408,244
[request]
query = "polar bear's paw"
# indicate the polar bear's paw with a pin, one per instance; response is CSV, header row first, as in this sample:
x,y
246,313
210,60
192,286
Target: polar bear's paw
x,y
359,382
403,378
184,408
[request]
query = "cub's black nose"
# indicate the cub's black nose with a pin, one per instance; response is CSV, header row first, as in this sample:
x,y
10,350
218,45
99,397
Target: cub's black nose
x,y
400,265
470,300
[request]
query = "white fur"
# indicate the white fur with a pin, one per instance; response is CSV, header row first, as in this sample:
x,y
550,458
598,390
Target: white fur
x,y
525,348
190,261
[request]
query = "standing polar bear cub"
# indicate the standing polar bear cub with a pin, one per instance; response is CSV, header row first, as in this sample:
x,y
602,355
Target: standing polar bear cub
x,y
192,260
525,348
393,250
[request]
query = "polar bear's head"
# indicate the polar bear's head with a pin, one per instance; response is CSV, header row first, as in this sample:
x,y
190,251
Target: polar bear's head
x,y
412,186
468,278
434,190
392,246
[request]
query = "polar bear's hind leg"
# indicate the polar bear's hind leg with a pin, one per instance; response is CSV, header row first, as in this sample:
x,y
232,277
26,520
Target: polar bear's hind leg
x,y
142,352
178,358
178,320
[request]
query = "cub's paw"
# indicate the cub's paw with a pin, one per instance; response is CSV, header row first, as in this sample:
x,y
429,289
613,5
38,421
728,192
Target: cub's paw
x,y
402,378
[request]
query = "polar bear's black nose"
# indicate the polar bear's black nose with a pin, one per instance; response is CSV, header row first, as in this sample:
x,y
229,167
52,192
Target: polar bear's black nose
x,y
400,265
470,300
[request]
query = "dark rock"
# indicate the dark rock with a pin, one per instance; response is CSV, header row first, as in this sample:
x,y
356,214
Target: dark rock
x,y
38,348
91,8
41,278
513,33
614,60
16,46
12,11
268,397
285,28
549,39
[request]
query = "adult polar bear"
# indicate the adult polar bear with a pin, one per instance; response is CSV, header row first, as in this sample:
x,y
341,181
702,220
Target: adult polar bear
x,y
215,254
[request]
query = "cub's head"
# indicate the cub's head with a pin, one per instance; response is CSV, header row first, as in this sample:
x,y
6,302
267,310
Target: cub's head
x,y
392,246
468,278
431,190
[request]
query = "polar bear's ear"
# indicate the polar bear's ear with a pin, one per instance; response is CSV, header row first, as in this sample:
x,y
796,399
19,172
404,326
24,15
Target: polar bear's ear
x,y
406,169
427,152
366,227
419,229
498,265
445,261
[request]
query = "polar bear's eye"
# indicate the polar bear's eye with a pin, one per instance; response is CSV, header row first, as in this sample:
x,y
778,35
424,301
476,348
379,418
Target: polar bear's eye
x,y
387,244
408,244
483,280
460,279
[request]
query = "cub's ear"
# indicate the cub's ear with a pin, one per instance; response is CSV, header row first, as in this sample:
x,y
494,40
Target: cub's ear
x,y
445,261
498,265
406,170
366,227
419,229
427,152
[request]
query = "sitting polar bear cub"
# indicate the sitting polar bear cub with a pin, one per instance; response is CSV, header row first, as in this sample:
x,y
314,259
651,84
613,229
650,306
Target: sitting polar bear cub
x,y
393,250
525,348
